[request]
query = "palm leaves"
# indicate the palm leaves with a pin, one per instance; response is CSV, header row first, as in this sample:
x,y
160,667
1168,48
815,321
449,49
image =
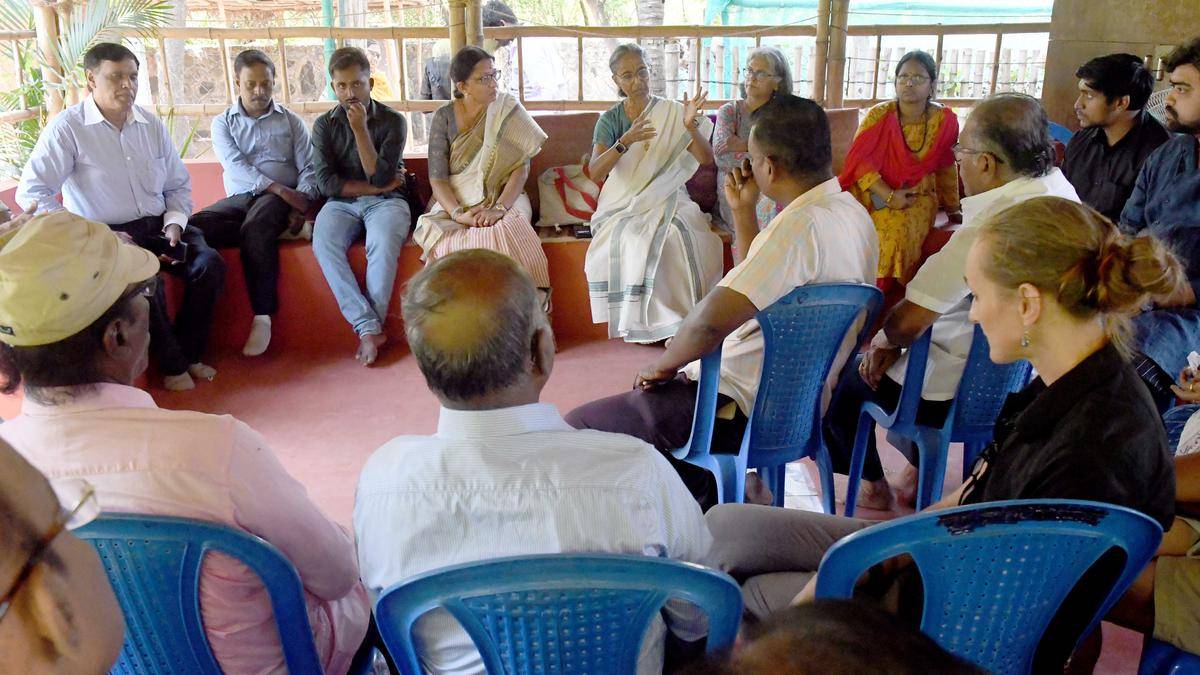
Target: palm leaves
x,y
91,22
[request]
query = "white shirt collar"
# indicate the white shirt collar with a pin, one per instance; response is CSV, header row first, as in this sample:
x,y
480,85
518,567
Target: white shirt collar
x,y
92,114
1053,184
238,109
512,421
829,187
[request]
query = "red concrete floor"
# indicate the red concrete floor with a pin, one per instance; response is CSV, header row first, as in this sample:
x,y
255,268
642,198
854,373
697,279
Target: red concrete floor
x,y
323,415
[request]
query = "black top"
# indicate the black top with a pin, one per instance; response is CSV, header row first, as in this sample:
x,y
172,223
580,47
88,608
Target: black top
x,y
335,156
1104,176
1094,434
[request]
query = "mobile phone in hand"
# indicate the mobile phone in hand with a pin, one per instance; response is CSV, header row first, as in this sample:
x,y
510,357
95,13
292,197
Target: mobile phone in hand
x,y
178,253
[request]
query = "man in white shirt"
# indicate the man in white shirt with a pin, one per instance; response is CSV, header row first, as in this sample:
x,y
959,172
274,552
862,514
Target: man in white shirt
x,y
1005,156
822,236
504,474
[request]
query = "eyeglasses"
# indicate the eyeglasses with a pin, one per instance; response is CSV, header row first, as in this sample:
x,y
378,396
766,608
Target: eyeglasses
x,y
960,149
489,78
758,75
912,80
69,491
145,289
642,73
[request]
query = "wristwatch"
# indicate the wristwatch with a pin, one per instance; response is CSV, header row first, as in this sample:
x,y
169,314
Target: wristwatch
x,y
621,148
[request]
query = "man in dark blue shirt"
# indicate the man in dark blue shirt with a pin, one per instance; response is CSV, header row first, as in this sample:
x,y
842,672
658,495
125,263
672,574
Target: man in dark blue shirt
x,y
1104,158
1166,203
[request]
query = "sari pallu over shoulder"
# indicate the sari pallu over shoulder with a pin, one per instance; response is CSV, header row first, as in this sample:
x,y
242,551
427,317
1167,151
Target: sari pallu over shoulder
x,y
881,147
643,211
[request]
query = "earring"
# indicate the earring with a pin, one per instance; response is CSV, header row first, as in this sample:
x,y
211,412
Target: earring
x,y
1025,340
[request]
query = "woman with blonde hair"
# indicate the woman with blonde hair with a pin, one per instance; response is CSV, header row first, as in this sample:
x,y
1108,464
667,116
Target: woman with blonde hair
x,y
1054,283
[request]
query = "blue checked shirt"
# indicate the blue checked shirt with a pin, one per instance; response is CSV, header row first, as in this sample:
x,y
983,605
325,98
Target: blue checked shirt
x,y
256,152
104,174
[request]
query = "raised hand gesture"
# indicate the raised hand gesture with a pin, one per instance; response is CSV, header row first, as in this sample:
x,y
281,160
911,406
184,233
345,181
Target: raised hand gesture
x,y
692,107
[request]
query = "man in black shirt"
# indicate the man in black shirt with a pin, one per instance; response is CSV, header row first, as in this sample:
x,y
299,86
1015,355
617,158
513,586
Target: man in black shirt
x,y
358,150
1104,158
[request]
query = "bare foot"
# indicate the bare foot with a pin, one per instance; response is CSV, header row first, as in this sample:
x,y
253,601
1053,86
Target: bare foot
x,y
757,491
906,485
368,347
875,494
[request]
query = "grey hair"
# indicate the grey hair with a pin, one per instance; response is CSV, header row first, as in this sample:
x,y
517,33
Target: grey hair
x,y
623,50
779,66
503,329
1015,128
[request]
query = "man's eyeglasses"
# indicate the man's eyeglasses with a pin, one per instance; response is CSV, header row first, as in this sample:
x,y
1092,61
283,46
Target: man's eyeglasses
x,y
912,80
960,149
642,73
145,289
758,75
82,496
489,78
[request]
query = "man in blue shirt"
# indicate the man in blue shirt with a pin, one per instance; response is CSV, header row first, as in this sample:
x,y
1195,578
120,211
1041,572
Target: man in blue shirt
x,y
358,150
1166,203
114,163
266,154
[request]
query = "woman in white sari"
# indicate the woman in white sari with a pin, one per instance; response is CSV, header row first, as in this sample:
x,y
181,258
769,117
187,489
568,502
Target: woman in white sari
x,y
653,254
479,149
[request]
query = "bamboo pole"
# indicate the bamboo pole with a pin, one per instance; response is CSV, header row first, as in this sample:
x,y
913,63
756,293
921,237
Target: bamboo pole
x,y
821,53
45,21
834,84
19,72
996,62
398,56
579,63
225,69
166,72
521,71
283,71
878,67
458,26
473,19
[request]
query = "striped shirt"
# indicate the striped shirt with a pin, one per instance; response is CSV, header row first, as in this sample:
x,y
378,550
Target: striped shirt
x,y
518,481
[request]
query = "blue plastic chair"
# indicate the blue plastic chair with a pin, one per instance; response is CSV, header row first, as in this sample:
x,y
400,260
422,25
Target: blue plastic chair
x,y
558,613
153,563
972,416
802,332
698,448
995,574
1160,658
1060,133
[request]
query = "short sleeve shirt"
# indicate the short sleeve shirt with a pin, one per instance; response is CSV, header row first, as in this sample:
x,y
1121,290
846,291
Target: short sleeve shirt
x,y
824,236
940,286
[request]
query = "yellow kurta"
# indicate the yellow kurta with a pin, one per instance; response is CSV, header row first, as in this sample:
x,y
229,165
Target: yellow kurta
x,y
903,231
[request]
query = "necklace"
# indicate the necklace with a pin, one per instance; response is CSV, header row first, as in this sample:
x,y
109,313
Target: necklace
x,y
924,131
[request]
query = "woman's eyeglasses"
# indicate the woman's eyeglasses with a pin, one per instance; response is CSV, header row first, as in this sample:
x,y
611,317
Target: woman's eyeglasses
x,y
82,496
911,80
489,78
758,75
642,73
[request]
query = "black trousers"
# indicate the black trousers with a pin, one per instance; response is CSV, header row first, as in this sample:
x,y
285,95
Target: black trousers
x,y
175,347
663,418
841,420
252,223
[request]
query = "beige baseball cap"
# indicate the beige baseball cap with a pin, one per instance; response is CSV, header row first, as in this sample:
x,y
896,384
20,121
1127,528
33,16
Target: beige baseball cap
x,y
60,272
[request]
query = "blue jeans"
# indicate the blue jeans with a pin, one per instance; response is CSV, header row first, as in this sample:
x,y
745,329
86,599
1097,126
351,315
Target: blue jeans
x,y
340,224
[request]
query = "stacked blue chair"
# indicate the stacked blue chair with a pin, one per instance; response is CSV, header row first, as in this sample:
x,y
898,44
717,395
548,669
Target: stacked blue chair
x,y
995,574
1160,658
557,613
802,332
153,563
981,393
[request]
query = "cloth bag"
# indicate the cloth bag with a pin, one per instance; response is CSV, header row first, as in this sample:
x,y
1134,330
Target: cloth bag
x,y
568,195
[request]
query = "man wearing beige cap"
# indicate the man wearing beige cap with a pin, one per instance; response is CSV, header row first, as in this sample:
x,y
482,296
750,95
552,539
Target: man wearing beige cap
x,y
74,332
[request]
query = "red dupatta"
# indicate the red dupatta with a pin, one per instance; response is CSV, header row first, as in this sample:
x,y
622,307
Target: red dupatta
x,y
881,148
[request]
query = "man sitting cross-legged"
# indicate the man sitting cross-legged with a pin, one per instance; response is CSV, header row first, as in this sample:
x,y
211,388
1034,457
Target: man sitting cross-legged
x,y
822,236
74,333
266,154
504,474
